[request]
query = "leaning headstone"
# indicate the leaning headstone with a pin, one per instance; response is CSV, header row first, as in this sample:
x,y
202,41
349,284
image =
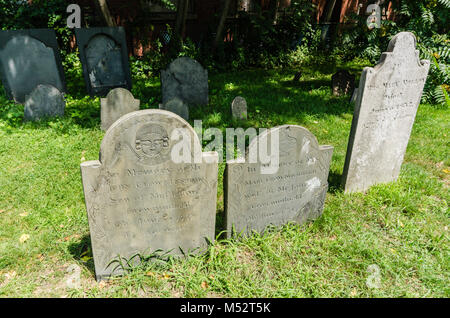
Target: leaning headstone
x,y
239,108
296,192
343,83
117,103
44,101
104,57
354,96
141,197
387,101
29,58
186,79
177,106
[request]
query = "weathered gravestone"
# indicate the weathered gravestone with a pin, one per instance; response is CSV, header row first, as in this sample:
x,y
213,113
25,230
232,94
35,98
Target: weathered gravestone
x,y
239,108
343,83
104,57
186,79
29,58
139,200
177,106
295,193
44,101
117,103
385,109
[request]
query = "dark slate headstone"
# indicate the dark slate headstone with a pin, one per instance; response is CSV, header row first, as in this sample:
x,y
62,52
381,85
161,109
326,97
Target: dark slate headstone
x,y
140,200
29,58
104,57
294,193
177,106
44,101
343,83
186,79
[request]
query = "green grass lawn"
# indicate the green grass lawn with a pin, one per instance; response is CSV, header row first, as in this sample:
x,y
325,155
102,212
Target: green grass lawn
x,y
402,227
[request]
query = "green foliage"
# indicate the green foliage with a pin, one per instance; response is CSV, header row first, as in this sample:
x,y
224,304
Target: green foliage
x,y
428,20
16,14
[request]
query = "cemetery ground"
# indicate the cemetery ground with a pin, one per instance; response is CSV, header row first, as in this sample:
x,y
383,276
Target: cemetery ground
x,y
401,227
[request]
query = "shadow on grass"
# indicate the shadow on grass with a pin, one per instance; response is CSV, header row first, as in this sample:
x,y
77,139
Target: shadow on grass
x,y
334,182
82,252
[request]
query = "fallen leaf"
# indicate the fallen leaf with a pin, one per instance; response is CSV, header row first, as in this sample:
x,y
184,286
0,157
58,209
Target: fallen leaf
x,y
1,211
166,276
73,236
353,293
150,274
102,284
24,214
446,171
24,238
205,285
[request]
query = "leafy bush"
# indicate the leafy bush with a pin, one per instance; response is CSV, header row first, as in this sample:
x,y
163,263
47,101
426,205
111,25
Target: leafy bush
x,y
428,20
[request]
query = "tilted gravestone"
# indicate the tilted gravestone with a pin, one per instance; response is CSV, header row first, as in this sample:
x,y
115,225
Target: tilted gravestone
x,y
104,57
186,79
139,199
239,108
177,106
295,193
387,100
29,58
44,101
117,103
343,83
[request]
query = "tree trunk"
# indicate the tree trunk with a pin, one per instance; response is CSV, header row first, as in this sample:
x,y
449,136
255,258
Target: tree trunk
x,y
102,5
180,21
273,10
221,25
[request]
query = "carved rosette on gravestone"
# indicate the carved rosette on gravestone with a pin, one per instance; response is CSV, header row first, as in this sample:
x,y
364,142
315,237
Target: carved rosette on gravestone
x,y
117,103
295,193
343,83
44,101
239,108
139,200
186,79
177,106
104,57
385,109
29,58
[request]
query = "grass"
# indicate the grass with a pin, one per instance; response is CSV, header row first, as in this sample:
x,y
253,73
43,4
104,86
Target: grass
x,y
401,227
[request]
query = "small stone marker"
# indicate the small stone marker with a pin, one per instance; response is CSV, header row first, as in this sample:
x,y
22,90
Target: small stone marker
x,y
385,109
186,79
29,58
343,83
239,108
117,103
104,57
177,106
44,101
139,200
295,193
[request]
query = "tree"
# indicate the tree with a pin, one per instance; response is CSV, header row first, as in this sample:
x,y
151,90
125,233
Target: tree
x,y
102,7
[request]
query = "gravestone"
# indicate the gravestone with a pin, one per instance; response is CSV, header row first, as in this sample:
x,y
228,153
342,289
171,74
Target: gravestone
x,y
29,58
139,200
117,103
44,101
343,83
295,193
239,108
177,106
104,57
186,79
386,105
